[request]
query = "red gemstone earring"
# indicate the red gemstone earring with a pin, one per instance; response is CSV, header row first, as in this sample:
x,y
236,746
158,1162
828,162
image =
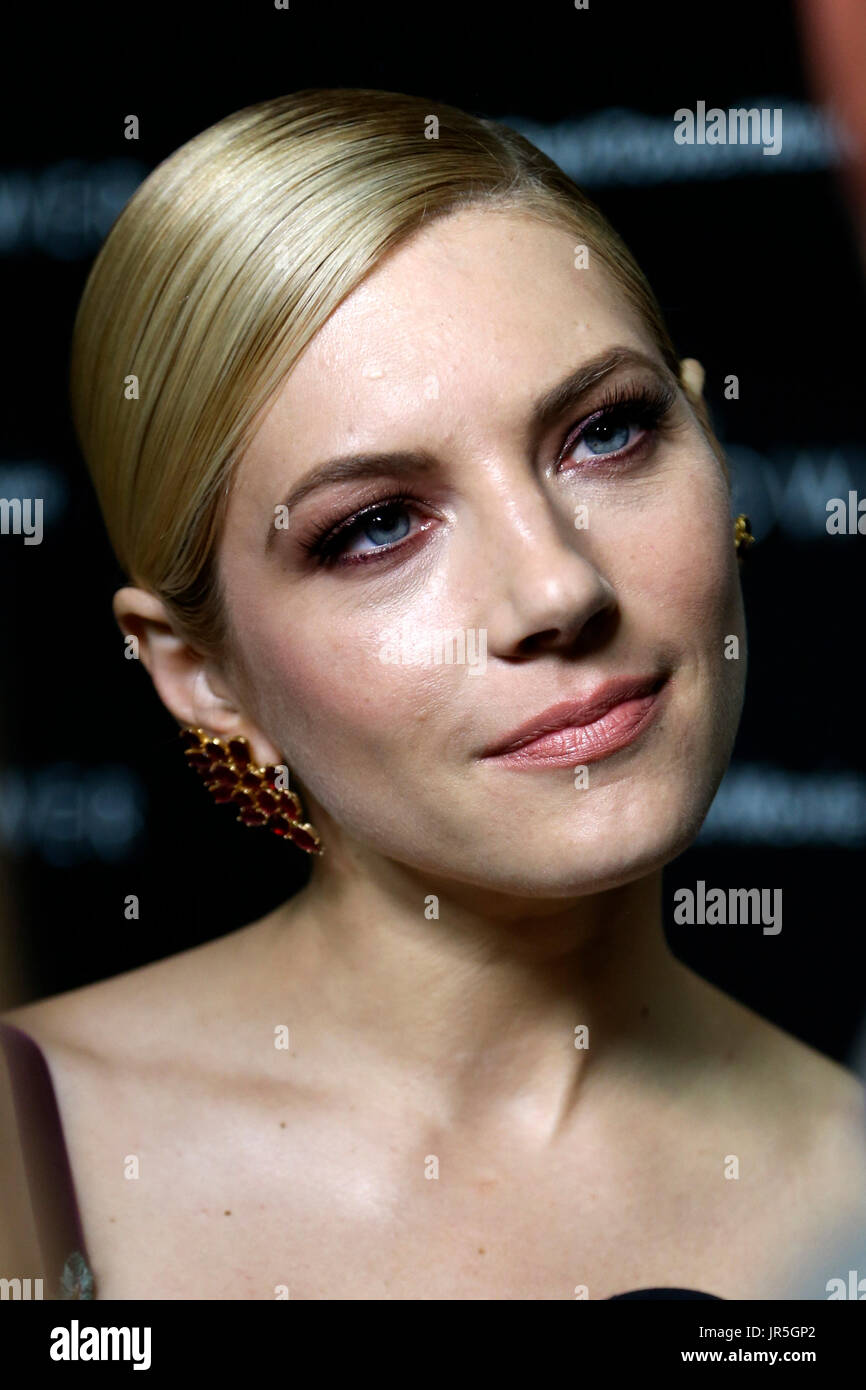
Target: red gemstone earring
x,y
228,772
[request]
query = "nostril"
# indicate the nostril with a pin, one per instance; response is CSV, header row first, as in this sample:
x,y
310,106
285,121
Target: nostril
x,y
539,641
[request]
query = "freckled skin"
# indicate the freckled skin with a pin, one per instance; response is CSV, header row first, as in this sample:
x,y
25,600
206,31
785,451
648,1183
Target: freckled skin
x,y
492,307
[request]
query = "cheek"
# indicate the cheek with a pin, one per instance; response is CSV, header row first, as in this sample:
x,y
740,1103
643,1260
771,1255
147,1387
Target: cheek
x,y
679,587
683,566
688,595
326,695
698,594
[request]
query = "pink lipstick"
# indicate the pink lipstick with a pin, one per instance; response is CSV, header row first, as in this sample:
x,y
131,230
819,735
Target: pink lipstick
x,y
585,730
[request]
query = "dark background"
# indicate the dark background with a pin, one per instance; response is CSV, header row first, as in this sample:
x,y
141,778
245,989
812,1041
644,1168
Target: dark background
x,y
754,261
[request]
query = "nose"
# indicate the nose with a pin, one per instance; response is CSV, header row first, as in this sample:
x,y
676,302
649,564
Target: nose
x,y
544,591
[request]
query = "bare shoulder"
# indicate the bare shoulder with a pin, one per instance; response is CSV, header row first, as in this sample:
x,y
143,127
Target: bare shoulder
x,y
812,1109
771,1066
149,1011
807,1084
817,1166
826,1116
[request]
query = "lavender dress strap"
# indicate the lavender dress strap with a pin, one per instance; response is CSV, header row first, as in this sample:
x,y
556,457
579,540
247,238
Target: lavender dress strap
x,y
46,1160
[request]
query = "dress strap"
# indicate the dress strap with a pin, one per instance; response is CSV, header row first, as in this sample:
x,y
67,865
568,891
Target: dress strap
x,y
46,1160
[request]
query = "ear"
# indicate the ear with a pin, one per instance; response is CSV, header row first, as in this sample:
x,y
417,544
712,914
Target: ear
x,y
692,376
692,381
190,685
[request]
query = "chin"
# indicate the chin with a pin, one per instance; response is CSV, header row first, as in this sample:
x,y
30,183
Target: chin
x,y
566,869
629,830
532,863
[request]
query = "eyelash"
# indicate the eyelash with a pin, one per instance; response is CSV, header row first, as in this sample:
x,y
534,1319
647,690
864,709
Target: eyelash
x,y
643,405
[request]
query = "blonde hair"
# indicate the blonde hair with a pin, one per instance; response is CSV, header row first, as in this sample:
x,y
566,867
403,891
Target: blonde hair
x,y
224,264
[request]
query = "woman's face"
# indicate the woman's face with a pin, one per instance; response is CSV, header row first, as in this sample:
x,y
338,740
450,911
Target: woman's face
x,y
539,552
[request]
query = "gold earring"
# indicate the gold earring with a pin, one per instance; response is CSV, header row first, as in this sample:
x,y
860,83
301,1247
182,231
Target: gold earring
x,y
228,772
743,537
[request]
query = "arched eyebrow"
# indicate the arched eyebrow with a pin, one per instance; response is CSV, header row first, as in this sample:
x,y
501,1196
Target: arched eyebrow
x,y
565,395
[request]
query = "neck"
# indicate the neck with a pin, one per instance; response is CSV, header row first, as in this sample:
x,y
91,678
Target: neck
x,y
470,1002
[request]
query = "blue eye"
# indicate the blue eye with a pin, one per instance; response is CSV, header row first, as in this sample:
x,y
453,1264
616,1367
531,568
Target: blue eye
x,y
609,437
619,422
383,526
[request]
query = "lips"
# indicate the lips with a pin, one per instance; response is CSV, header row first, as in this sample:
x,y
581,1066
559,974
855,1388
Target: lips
x,y
584,729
